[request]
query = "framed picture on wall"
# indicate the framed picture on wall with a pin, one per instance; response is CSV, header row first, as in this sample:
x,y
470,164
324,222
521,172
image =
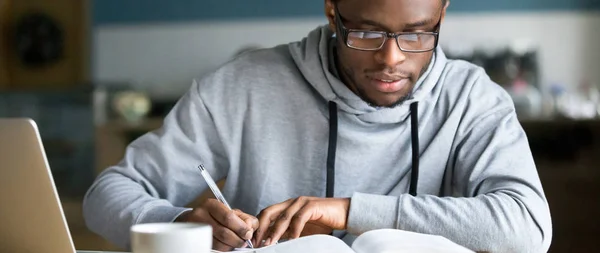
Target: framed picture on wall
x,y
4,80
46,44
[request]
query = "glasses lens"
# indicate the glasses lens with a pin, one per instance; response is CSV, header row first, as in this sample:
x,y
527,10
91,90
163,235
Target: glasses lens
x,y
365,40
416,42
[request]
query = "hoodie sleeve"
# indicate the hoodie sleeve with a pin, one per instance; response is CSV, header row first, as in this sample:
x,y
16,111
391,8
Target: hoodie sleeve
x,y
158,174
497,202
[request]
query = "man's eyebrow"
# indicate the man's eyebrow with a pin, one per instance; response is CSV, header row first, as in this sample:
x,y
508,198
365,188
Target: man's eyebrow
x,y
369,22
419,23
365,21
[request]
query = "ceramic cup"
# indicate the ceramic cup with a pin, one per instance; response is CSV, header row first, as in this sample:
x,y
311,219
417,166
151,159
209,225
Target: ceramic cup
x,y
171,237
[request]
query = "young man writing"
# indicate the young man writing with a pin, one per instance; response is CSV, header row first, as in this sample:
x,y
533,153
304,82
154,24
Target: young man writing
x,y
364,124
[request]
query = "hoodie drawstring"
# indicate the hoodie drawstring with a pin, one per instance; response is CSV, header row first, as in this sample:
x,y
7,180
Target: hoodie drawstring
x,y
333,132
414,138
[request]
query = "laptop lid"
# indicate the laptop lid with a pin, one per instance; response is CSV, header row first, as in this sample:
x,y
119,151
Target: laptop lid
x,y
31,214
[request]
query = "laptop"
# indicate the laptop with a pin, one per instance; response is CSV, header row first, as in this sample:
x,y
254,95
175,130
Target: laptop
x,y
31,213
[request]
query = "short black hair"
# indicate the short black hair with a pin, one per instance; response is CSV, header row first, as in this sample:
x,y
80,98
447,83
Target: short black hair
x,y
443,1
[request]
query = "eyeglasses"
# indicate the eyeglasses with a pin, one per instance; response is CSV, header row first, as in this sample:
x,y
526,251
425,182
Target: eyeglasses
x,y
413,42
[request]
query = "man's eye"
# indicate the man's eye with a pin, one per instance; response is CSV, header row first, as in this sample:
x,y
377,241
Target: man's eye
x,y
365,35
372,35
410,37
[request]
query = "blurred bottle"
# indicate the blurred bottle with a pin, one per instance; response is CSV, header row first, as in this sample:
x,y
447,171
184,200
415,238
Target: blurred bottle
x,y
527,99
100,101
590,99
520,70
557,92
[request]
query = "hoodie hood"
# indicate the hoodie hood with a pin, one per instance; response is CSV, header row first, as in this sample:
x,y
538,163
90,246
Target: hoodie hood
x,y
313,56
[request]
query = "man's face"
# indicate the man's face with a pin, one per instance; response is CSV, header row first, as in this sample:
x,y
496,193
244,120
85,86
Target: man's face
x,y
384,77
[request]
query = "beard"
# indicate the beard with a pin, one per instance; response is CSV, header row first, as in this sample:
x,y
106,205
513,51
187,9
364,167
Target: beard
x,y
361,93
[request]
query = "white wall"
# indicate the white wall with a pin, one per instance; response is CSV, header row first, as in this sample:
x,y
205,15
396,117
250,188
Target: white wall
x,y
164,57
569,43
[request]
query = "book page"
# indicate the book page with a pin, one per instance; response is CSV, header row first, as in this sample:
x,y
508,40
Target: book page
x,y
307,244
396,241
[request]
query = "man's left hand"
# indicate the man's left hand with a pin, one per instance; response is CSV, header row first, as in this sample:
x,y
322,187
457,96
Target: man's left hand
x,y
289,218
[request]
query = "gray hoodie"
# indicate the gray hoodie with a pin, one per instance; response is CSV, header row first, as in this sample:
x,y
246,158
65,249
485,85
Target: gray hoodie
x,y
263,122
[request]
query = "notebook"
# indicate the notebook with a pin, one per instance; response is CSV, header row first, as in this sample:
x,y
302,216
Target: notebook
x,y
381,241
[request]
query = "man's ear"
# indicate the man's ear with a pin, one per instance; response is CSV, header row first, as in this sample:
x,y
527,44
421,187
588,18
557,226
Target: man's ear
x,y
444,10
330,14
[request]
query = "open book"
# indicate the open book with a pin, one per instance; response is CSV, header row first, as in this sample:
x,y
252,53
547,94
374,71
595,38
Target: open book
x,y
380,241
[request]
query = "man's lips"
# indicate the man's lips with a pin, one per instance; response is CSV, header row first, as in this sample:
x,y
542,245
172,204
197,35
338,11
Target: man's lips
x,y
388,84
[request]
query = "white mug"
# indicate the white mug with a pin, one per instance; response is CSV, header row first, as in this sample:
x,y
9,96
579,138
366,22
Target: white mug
x,y
171,237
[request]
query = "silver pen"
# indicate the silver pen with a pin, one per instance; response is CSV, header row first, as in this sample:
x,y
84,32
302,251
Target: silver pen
x,y
215,189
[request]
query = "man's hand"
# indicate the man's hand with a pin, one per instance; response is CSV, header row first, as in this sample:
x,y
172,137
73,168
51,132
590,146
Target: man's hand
x,y
288,219
230,228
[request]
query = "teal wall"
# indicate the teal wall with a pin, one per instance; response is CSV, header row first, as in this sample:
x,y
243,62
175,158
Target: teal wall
x,y
150,11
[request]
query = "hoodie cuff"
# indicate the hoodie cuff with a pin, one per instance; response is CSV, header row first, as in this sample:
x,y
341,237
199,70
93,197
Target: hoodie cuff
x,y
370,212
161,214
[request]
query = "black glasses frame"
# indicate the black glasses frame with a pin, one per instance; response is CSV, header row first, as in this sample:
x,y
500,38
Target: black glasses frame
x,y
345,32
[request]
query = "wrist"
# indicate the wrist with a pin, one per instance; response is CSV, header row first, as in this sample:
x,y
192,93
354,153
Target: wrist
x,y
346,207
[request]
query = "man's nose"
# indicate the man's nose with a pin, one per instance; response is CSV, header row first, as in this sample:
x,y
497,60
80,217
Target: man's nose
x,y
390,54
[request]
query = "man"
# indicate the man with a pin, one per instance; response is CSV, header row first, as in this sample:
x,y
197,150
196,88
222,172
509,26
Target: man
x,y
364,124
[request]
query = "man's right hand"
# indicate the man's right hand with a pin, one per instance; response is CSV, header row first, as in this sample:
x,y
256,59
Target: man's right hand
x,y
230,228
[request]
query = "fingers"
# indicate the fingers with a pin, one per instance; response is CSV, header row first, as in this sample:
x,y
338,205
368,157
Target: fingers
x,y
229,219
223,234
299,221
282,222
220,246
250,220
227,237
266,217
290,218
291,221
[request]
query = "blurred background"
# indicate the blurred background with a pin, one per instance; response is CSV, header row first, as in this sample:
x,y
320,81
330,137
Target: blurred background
x,y
96,74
